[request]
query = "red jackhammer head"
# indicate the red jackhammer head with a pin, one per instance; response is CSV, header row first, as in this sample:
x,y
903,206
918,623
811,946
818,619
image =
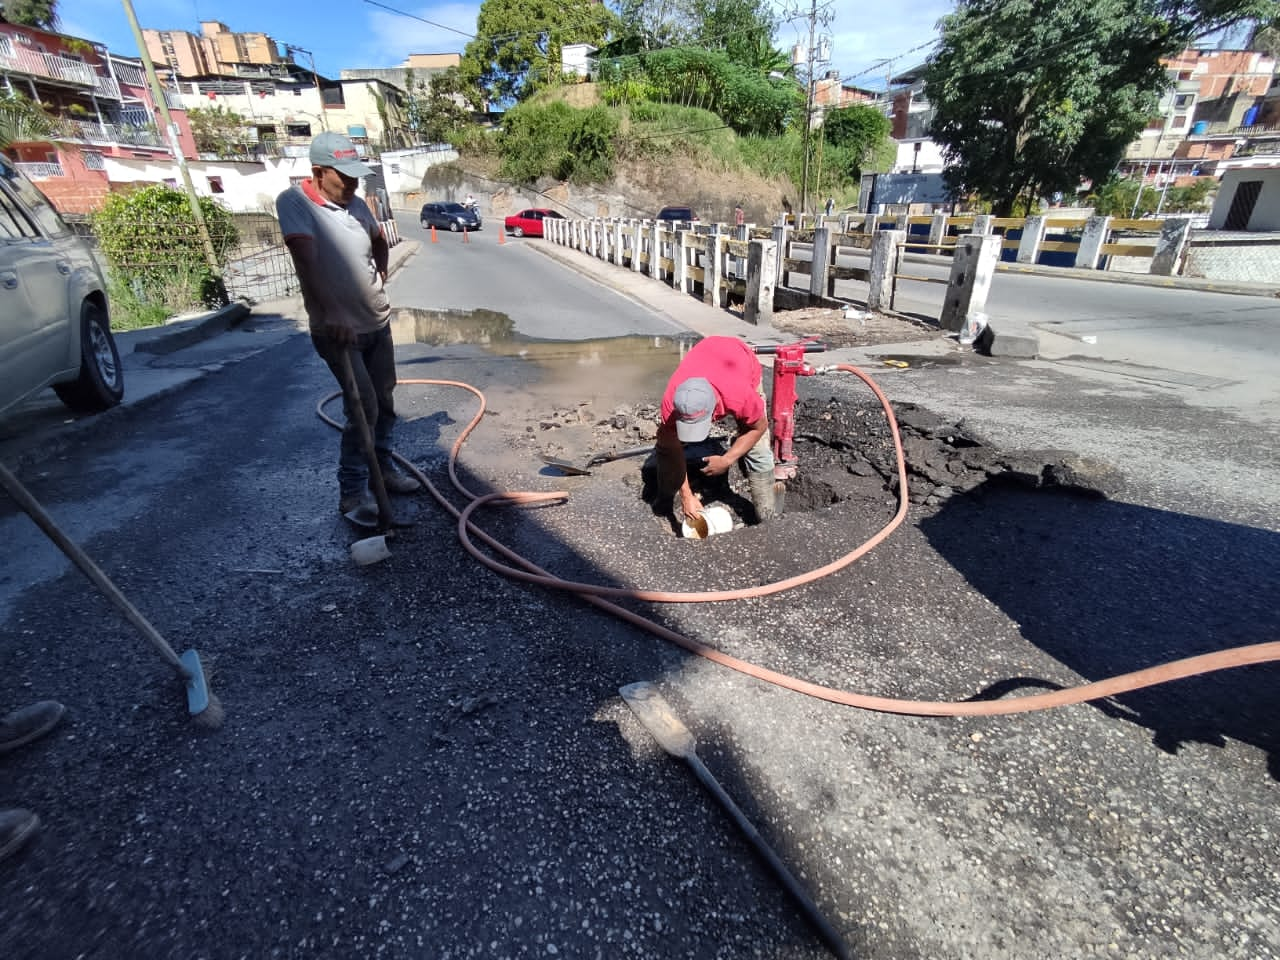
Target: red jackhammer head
x,y
788,363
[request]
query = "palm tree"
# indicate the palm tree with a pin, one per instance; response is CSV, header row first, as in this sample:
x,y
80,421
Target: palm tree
x,y
24,121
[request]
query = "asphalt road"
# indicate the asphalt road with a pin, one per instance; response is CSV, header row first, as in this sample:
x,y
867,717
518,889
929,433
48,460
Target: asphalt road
x,y
425,759
1201,337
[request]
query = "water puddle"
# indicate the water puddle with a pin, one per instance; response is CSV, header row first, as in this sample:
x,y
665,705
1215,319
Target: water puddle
x,y
621,367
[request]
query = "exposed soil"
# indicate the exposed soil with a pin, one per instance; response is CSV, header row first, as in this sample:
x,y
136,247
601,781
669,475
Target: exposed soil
x,y
853,327
846,452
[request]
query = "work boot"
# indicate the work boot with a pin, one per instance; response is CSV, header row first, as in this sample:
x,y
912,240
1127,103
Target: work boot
x,y
353,501
397,482
29,723
763,495
16,828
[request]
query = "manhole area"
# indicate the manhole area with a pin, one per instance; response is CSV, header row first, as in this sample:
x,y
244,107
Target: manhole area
x,y
845,450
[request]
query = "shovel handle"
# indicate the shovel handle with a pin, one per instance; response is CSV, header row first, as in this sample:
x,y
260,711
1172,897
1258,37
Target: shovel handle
x,y
356,411
41,518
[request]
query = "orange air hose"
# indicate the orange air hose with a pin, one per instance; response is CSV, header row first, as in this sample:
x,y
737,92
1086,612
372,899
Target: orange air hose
x,y
521,568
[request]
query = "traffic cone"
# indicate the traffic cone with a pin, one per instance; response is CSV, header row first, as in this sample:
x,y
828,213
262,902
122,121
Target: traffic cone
x,y
433,234
502,237
466,237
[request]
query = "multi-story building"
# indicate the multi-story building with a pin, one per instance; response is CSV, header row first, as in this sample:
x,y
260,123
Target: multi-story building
x,y
216,52
104,106
1222,104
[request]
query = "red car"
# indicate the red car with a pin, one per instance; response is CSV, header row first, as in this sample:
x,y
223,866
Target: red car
x,y
528,223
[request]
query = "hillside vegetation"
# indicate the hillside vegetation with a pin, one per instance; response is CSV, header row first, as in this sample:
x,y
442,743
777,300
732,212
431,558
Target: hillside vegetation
x,y
674,152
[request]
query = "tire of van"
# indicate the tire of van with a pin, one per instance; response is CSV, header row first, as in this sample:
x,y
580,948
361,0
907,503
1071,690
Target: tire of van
x,y
100,383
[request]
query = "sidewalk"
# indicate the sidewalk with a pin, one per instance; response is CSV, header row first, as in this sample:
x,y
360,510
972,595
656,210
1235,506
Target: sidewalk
x,y
708,321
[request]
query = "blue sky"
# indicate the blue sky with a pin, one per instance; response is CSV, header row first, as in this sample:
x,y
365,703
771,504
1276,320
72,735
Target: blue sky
x,y
353,33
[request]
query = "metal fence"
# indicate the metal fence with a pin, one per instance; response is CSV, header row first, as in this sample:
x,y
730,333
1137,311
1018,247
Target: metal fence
x,y
255,269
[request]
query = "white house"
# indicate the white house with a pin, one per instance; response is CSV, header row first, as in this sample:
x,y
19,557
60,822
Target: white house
x,y
575,59
1248,199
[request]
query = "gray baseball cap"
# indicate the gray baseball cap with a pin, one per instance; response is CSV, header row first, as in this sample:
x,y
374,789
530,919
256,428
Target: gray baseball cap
x,y
695,403
334,150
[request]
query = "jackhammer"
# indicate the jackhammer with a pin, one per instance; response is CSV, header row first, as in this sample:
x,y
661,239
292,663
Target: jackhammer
x,y
788,363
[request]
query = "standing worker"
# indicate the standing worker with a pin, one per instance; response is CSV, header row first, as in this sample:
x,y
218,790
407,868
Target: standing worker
x,y
720,376
340,255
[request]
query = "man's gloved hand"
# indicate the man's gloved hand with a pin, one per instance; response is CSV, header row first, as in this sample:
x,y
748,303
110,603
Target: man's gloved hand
x,y
715,466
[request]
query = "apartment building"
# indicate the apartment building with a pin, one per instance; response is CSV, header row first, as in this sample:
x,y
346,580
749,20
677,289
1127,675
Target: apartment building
x,y
104,105
1222,106
217,51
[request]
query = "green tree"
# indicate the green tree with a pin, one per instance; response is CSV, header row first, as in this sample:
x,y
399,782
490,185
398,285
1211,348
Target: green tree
x,y
1032,96
31,13
650,24
518,42
218,130
743,29
861,130
1265,37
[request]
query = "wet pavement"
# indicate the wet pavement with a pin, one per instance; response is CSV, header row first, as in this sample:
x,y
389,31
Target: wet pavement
x,y
423,758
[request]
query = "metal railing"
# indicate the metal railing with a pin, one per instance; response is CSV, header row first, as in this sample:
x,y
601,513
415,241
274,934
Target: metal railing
x,y
90,131
48,65
40,171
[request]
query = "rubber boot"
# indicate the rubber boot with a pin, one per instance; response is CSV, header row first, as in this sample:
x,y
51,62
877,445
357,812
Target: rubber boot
x,y
763,495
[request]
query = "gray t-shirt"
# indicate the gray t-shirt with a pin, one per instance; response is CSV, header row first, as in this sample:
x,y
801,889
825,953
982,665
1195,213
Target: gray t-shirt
x,y
352,292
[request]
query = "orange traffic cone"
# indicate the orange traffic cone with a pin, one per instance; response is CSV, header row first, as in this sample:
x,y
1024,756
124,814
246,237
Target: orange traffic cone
x,y
433,234
466,237
502,237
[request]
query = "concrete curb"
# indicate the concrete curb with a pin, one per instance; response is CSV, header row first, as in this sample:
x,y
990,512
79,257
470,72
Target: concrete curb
x,y
178,334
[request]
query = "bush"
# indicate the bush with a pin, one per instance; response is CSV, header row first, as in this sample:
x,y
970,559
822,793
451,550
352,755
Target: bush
x,y
149,236
557,140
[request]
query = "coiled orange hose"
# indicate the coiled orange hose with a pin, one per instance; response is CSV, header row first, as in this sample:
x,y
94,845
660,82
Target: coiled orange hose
x,y
521,568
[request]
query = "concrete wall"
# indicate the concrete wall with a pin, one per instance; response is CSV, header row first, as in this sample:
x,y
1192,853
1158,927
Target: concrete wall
x,y
1248,257
1266,213
246,187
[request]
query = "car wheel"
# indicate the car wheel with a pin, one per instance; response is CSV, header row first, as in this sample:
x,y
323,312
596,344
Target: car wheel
x,y
100,383
518,231
424,224
453,226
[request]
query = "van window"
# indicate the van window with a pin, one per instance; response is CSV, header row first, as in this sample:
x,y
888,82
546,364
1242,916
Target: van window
x,y
35,202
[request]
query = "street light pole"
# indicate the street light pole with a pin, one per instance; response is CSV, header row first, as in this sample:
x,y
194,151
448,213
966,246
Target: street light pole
x,y
175,144
324,121
808,110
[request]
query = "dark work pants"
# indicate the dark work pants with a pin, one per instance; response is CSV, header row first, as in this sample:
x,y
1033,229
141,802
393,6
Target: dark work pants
x,y
373,362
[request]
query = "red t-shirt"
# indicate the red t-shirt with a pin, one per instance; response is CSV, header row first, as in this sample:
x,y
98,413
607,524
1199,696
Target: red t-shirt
x,y
731,367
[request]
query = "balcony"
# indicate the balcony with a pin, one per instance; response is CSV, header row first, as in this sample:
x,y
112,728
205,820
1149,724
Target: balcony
x,y
106,88
40,171
47,65
90,131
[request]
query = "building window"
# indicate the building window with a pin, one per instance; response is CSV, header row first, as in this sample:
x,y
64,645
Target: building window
x,y
215,185
171,182
1179,120
93,161
298,129
1182,100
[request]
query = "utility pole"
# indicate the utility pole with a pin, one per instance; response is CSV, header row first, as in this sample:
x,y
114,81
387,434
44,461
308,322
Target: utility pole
x,y
290,48
808,109
175,144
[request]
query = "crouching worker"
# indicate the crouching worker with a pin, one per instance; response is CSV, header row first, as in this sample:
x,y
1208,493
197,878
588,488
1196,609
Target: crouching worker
x,y
720,376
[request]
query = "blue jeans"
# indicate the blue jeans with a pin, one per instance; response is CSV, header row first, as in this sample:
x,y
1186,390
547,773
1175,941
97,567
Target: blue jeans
x,y
373,361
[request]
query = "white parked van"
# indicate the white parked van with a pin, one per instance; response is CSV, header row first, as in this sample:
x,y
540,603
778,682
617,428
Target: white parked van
x,y
54,322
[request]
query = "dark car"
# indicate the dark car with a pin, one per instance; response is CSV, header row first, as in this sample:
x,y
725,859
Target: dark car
x,y
528,223
683,214
450,216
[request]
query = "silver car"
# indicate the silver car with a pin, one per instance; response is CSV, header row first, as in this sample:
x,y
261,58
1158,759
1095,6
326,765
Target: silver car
x,y
54,322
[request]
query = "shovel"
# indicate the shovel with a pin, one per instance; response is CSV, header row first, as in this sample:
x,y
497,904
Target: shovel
x,y
573,470
674,737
